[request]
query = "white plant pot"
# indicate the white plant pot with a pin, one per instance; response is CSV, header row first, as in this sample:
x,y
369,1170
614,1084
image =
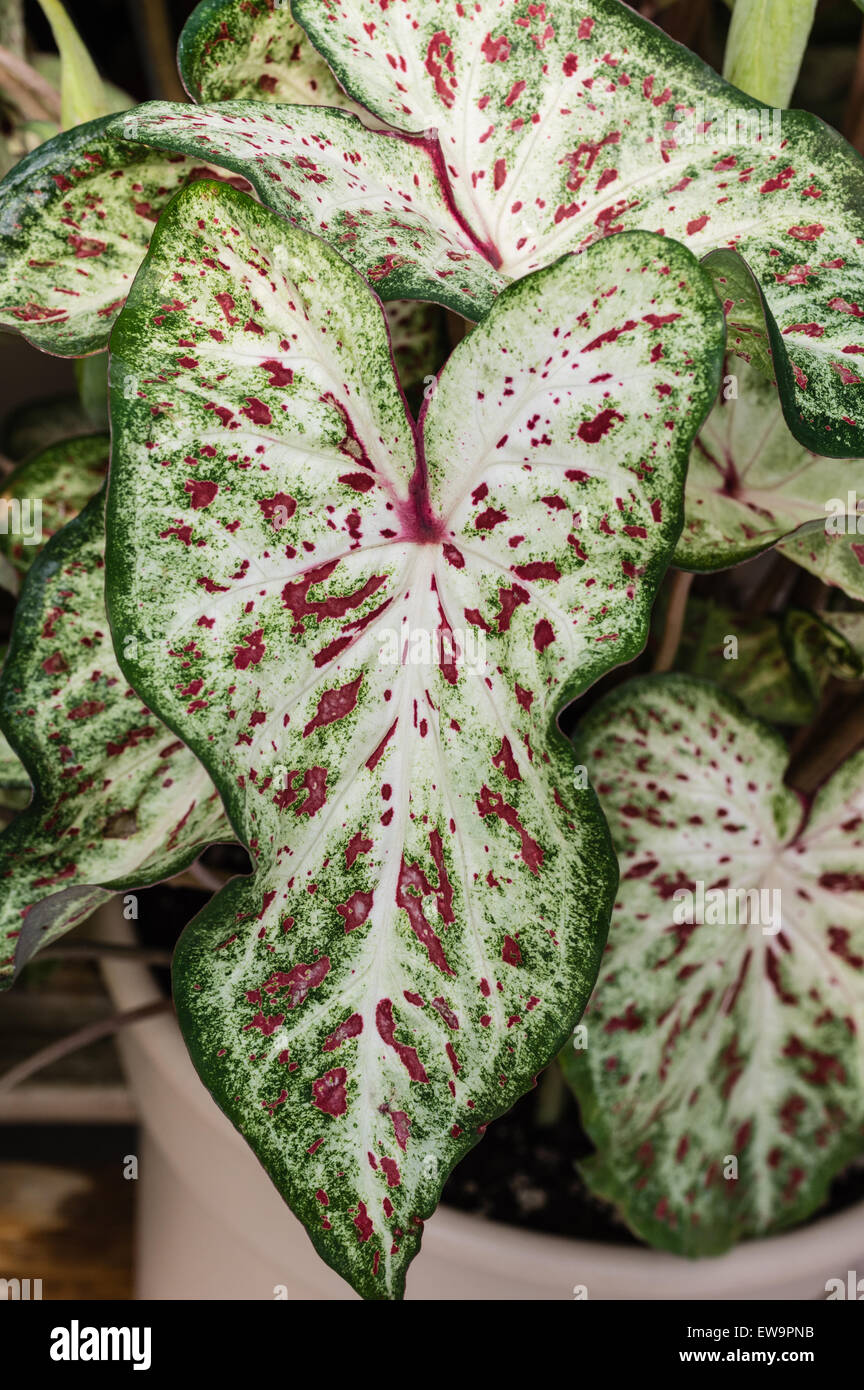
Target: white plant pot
x,y
212,1226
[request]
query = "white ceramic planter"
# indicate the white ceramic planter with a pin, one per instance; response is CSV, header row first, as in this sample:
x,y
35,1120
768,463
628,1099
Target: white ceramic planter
x,y
212,1226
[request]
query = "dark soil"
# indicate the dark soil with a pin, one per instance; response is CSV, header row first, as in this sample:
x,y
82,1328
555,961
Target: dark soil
x,y
522,1172
526,1175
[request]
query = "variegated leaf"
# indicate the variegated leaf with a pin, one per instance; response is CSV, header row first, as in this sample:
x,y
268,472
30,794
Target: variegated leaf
x,y
13,774
778,667
722,1076
822,645
380,198
750,483
39,496
119,801
431,890
744,654
75,219
560,123
838,560
235,49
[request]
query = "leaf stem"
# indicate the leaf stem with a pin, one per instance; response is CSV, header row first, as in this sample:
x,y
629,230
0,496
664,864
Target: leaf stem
x,y
551,1097
816,762
73,1042
679,592
35,96
98,950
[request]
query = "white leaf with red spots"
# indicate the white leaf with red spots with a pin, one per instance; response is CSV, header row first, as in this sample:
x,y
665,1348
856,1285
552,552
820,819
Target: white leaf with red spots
x,y
231,49
75,219
560,123
41,494
365,631
736,1035
380,198
838,560
119,802
751,484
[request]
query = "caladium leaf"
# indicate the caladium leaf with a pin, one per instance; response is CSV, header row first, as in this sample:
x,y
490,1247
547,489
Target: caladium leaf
x,y
119,802
744,653
235,49
431,890
824,645
75,219
723,1079
559,126
838,560
777,667
380,198
13,774
39,496
750,483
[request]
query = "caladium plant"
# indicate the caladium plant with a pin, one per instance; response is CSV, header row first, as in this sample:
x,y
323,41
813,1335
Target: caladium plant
x,y
720,1071
364,630
752,486
44,492
356,630
525,134
778,667
75,219
118,801
561,124
254,50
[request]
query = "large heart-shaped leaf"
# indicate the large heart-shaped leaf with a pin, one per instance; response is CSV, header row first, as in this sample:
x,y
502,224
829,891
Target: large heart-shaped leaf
x,y
118,801
555,132
723,1078
365,635
562,123
750,483
75,219
43,493
231,49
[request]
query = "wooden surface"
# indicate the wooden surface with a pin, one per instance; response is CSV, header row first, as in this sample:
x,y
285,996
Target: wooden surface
x,y
70,1226
66,1210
